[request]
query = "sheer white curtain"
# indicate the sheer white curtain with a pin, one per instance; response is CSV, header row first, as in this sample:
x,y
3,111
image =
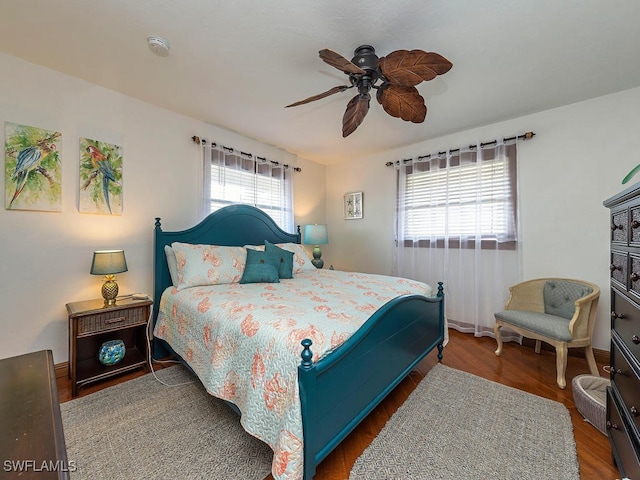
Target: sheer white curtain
x,y
232,177
456,222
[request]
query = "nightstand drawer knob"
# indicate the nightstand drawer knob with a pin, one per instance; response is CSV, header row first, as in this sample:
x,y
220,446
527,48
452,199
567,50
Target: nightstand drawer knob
x,y
114,320
615,315
634,277
612,425
635,339
634,411
613,267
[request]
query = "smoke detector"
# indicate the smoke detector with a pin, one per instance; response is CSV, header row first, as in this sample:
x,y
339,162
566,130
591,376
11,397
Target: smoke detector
x,y
158,45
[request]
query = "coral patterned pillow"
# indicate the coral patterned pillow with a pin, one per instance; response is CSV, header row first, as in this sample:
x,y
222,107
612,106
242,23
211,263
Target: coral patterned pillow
x,y
208,264
301,261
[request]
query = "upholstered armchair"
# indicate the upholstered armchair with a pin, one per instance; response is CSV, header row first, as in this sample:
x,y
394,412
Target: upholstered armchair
x,y
558,311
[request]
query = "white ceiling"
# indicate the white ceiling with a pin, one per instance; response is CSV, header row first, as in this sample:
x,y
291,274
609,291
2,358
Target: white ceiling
x,y
237,63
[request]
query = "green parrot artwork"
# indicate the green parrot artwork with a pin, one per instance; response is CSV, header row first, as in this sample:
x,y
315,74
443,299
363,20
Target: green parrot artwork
x,y
32,168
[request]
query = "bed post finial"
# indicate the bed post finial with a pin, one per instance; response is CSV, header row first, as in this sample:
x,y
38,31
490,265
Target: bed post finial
x,y
306,353
440,289
158,223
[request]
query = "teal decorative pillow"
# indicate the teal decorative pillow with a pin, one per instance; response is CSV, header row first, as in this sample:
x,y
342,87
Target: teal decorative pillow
x,y
259,268
301,261
283,259
260,273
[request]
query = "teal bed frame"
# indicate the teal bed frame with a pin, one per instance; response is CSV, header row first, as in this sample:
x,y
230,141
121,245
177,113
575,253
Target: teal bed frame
x,y
341,389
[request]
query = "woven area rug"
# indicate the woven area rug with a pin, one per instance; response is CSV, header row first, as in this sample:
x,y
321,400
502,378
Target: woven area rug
x,y
141,429
460,426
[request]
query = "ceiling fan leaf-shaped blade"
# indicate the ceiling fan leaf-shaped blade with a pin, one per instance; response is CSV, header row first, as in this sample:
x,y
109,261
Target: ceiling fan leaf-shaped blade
x,y
403,102
338,61
410,67
331,91
353,116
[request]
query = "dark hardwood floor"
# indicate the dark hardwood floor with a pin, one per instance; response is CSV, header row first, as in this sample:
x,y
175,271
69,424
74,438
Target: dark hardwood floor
x,y
518,367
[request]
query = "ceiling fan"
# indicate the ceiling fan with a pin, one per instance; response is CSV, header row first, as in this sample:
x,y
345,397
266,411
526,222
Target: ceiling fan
x,y
394,77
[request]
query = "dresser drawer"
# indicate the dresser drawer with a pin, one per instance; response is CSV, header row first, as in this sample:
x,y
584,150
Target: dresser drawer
x,y
619,268
634,274
626,383
625,321
634,225
619,226
624,452
111,320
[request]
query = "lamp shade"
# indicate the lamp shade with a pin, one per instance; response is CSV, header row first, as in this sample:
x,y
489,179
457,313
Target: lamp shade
x,y
108,262
315,234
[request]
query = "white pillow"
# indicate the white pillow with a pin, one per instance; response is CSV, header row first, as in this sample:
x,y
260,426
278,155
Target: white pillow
x,y
301,261
172,263
208,264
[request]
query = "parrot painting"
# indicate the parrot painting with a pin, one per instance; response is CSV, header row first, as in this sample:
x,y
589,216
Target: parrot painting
x,y
104,167
27,161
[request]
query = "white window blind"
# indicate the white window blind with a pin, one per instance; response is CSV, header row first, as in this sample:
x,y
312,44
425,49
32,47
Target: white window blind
x,y
459,198
234,178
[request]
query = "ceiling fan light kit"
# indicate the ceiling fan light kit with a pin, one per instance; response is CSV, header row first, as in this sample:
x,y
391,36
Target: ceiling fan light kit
x,y
394,77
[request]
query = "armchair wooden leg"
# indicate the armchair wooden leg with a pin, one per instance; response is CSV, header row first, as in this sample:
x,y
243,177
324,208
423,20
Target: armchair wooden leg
x,y
591,361
496,330
561,364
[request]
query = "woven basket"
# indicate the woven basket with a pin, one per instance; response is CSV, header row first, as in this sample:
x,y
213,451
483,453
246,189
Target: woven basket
x,y
589,395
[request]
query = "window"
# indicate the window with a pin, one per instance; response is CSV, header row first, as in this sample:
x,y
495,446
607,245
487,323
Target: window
x,y
460,199
232,178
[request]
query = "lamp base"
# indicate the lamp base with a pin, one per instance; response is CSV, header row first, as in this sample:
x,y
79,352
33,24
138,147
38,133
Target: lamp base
x,y
109,290
317,261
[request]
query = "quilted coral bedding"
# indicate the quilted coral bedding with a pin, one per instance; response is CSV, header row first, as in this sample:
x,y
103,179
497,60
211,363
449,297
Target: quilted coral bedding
x,y
243,342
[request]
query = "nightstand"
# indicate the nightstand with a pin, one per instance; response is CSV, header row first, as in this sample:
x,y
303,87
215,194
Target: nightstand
x,y
91,323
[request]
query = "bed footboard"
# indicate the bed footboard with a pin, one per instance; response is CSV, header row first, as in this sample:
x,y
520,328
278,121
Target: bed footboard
x,y
338,391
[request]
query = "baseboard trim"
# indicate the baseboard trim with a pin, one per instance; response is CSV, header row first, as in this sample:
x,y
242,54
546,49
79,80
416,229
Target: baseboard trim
x,y
601,356
61,369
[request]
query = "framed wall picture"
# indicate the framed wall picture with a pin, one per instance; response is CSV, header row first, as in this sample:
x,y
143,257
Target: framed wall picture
x,y
32,168
353,206
100,178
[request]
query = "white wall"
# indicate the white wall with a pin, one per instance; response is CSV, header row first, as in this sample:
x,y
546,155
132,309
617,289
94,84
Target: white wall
x,y
46,256
577,159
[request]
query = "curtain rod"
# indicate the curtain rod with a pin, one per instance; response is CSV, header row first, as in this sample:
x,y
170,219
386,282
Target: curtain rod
x,y
524,136
201,141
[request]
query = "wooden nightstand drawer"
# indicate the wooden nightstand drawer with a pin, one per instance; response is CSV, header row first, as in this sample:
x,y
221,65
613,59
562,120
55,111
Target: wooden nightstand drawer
x,y
112,320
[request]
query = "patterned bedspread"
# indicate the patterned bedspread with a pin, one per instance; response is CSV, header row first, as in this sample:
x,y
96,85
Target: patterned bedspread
x,y
243,342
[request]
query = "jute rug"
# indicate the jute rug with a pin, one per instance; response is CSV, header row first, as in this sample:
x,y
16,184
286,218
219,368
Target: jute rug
x,y
142,429
460,426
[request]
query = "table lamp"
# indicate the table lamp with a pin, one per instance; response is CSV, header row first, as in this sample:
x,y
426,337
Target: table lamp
x,y
108,263
316,235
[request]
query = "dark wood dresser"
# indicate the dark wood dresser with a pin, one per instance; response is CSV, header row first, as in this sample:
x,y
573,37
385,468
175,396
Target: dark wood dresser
x,y
623,397
31,436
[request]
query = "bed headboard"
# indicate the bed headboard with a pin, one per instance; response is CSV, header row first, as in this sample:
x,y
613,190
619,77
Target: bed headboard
x,y
235,225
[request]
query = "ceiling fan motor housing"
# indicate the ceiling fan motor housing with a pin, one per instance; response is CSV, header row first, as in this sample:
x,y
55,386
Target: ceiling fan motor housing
x,y
365,57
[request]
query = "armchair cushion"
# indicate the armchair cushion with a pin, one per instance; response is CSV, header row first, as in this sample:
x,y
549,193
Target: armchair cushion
x,y
544,324
560,297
